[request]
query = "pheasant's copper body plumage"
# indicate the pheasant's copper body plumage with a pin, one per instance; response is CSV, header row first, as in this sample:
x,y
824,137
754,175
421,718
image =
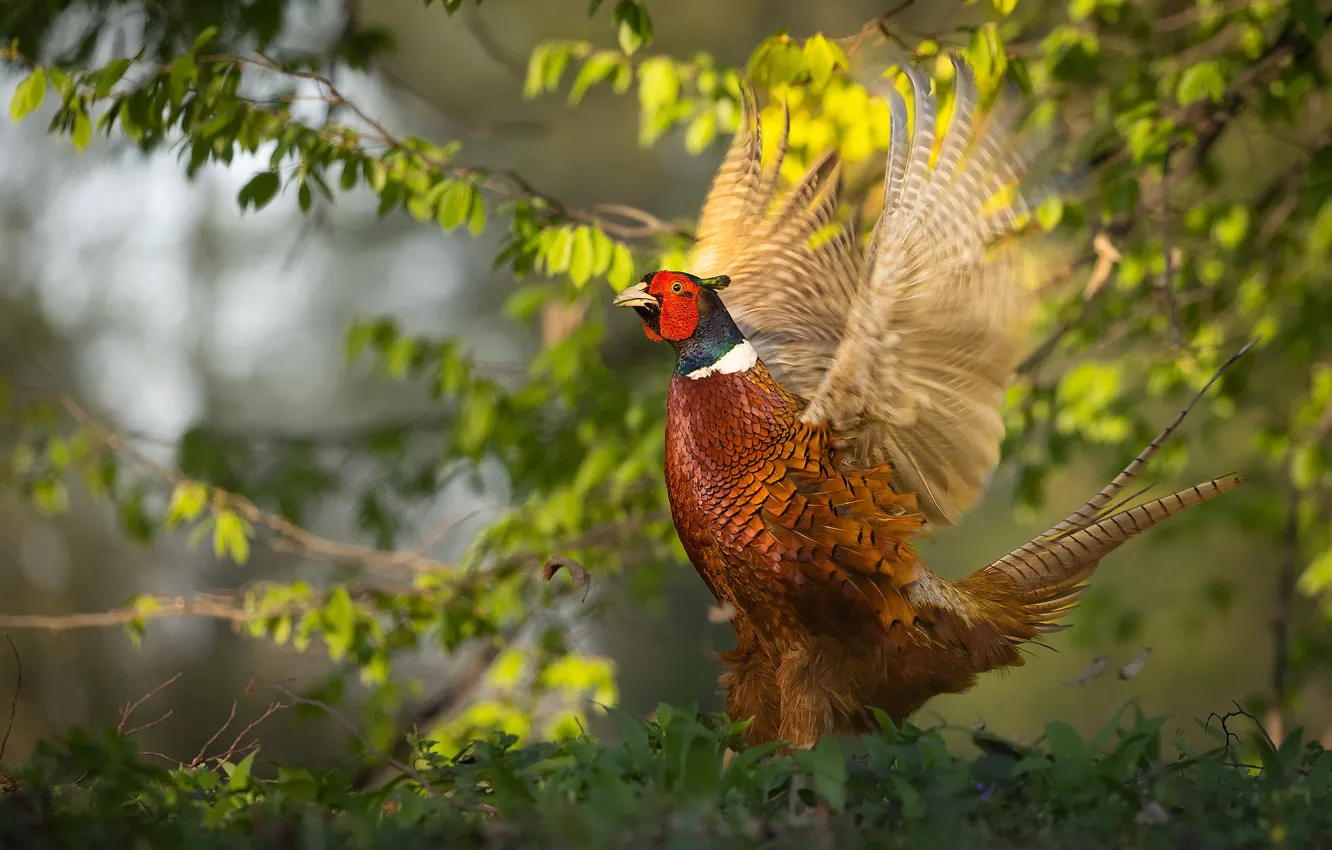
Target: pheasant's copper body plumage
x,y
797,492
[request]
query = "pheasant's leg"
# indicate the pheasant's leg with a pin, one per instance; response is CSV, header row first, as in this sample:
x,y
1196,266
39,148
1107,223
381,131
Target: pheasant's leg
x,y
815,693
750,683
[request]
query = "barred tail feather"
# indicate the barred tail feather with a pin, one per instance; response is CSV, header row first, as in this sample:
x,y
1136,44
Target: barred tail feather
x,y
1045,576
1020,597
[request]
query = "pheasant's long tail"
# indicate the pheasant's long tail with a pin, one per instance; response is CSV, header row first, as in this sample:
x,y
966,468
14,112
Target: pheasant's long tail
x,y
1022,595
1042,580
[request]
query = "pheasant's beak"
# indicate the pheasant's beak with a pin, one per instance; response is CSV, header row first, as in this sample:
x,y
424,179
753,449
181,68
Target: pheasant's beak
x,y
636,296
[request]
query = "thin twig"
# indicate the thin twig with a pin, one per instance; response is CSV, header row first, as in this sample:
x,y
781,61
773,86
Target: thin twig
x,y
512,186
127,733
13,703
200,757
405,769
273,708
131,707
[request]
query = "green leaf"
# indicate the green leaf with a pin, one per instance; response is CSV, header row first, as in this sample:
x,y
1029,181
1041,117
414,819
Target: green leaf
x,y
581,256
1049,213
526,301
1230,229
240,776
476,215
1065,744
28,96
1320,232
456,205
81,133
260,190
183,73
105,80
701,132
1201,81
621,272
658,83
634,25
594,70
188,501
700,774
205,36
1005,7
51,497
231,537
339,623
558,250
822,58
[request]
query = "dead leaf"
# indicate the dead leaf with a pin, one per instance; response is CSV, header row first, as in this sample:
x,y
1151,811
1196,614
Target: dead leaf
x,y
581,577
1106,257
1134,667
1095,669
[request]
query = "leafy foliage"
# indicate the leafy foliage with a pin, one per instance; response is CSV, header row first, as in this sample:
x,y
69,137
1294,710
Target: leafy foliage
x,y
666,783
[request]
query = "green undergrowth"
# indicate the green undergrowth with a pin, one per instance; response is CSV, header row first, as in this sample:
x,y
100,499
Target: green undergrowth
x,y
664,786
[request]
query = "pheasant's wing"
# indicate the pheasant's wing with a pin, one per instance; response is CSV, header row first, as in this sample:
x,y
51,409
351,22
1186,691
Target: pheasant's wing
x,y
794,271
940,323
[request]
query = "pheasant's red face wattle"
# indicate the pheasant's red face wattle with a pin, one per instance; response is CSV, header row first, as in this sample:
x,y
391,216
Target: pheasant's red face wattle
x,y
678,296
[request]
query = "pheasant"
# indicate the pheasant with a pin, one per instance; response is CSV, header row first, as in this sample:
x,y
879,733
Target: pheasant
x,y
829,406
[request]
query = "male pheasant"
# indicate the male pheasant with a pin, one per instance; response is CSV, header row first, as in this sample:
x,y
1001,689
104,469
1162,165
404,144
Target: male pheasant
x,y
858,406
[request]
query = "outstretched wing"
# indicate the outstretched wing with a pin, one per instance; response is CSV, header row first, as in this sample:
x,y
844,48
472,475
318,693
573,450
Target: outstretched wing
x,y
942,320
905,351
794,272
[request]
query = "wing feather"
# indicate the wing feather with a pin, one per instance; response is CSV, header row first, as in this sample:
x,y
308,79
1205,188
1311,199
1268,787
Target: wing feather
x,y
934,339
904,349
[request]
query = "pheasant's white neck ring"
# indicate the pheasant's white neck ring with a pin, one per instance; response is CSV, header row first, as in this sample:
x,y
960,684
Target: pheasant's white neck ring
x,y
741,358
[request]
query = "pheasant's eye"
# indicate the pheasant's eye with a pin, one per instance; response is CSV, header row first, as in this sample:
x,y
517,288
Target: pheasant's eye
x,y
677,287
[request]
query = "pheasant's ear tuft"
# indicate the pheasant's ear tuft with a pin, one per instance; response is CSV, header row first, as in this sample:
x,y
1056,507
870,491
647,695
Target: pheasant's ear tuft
x,y
721,281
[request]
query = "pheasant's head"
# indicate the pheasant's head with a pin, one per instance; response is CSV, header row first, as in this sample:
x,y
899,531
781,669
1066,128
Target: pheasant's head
x,y
687,312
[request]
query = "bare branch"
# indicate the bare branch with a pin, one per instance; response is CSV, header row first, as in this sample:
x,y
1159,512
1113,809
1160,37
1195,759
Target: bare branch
x,y
131,707
200,757
503,183
301,541
149,725
13,703
236,747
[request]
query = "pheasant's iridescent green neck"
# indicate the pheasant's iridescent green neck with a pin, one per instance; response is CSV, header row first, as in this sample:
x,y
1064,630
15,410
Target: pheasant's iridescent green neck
x,y
716,345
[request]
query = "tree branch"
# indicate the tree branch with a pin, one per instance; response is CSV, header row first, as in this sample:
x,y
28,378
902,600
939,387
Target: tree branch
x,y
503,183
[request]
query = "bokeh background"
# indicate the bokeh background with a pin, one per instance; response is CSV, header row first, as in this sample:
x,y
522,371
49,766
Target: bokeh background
x,y
156,301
